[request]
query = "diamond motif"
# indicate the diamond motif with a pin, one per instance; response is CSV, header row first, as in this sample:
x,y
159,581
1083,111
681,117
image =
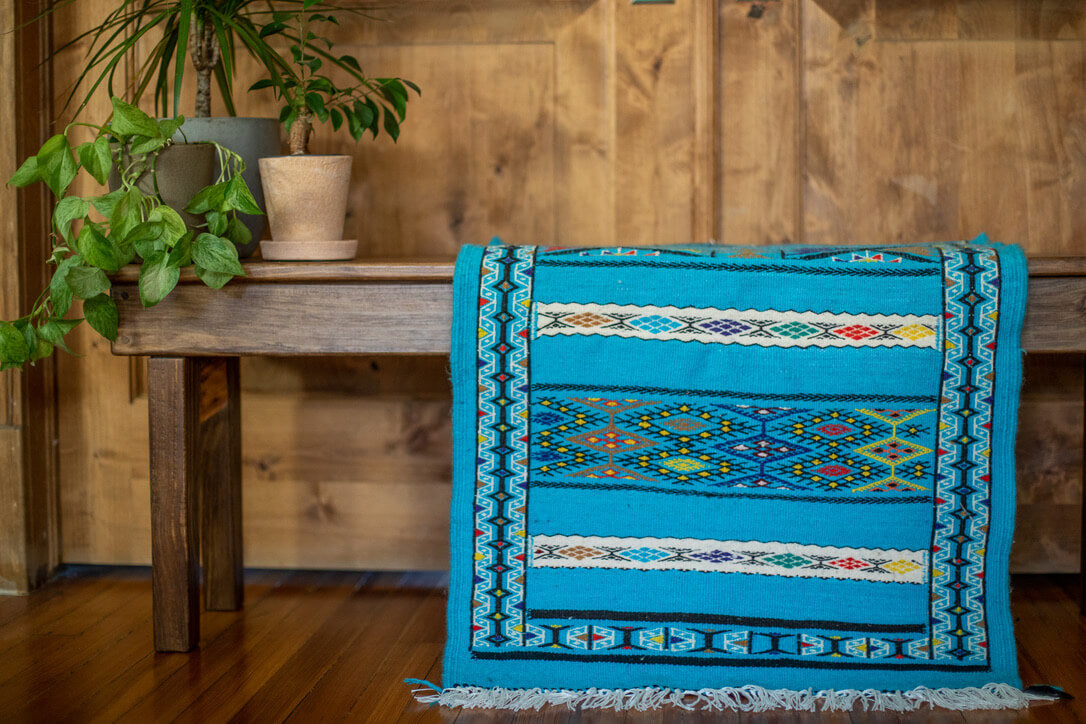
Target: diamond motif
x,y
645,554
724,327
586,319
654,323
788,560
892,451
611,439
794,330
684,465
856,331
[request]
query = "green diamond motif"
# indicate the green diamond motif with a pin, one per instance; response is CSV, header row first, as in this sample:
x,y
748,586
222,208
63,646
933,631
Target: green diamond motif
x,y
787,560
794,330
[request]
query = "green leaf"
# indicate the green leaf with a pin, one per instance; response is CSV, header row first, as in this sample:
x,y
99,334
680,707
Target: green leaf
x,y
173,225
41,350
353,124
53,330
271,29
149,145
169,126
217,222
127,214
99,250
238,232
351,62
60,294
366,112
216,254
337,119
316,104
56,164
412,86
87,281
69,209
392,127
215,280
105,203
146,238
322,85
96,159
262,84
209,198
13,348
131,121
396,94
240,198
157,279
181,253
27,174
101,314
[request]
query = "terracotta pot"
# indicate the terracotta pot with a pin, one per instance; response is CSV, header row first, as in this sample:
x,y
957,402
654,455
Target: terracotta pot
x,y
306,198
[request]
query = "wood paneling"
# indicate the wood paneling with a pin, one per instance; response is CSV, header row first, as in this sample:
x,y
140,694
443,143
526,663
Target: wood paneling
x,y
29,545
605,122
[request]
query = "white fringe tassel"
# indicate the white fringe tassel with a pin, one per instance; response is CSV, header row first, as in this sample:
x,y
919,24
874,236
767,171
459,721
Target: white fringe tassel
x,y
745,698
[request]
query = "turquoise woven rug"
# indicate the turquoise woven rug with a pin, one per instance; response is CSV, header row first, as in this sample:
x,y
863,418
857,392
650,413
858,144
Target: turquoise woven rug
x,y
734,477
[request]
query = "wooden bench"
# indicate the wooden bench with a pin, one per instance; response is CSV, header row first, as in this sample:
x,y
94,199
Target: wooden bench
x,y
195,337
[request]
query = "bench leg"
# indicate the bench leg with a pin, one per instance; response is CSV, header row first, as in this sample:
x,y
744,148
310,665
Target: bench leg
x,y
173,389
219,471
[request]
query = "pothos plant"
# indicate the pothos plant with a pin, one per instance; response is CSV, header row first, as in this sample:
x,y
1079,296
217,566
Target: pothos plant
x,y
96,235
364,104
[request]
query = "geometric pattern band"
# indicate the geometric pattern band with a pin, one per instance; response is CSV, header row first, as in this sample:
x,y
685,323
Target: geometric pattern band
x,y
499,549
748,327
774,558
963,473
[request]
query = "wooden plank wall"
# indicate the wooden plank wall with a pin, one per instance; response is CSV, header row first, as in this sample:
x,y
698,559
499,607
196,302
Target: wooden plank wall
x,y
597,121
29,541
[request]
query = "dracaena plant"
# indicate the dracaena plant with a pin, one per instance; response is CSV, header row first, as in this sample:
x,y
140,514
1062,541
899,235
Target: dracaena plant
x,y
209,34
96,235
363,104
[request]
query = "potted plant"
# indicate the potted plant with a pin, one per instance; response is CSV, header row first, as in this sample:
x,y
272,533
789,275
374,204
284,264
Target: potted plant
x,y
307,194
94,236
210,35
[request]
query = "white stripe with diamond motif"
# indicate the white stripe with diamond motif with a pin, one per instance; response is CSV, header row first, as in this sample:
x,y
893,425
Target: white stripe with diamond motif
x,y
797,560
768,328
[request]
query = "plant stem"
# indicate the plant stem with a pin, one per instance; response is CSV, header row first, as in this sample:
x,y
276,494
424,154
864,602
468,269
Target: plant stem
x,y
303,126
204,50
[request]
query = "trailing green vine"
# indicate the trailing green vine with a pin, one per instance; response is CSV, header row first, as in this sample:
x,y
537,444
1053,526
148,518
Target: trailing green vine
x,y
94,236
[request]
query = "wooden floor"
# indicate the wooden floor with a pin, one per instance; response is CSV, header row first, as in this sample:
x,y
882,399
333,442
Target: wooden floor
x,y
318,646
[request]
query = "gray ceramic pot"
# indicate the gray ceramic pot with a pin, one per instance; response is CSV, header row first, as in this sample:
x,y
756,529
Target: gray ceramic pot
x,y
250,138
180,171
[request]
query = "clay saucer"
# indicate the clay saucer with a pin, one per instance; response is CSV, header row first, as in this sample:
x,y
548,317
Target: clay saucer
x,y
308,250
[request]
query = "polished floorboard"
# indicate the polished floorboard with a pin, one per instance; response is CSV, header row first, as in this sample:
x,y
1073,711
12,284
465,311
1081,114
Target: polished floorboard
x,y
315,646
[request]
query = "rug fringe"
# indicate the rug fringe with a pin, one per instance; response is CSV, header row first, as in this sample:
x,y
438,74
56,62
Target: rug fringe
x,y
745,698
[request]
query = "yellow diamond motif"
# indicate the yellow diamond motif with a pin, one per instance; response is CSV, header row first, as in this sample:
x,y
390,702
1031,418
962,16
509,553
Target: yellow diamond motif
x,y
902,566
914,332
684,465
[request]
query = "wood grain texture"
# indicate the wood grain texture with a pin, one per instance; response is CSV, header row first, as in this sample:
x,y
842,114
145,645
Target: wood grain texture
x,y
834,120
29,535
288,319
317,646
174,417
920,141
218,470
758,124
413,318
